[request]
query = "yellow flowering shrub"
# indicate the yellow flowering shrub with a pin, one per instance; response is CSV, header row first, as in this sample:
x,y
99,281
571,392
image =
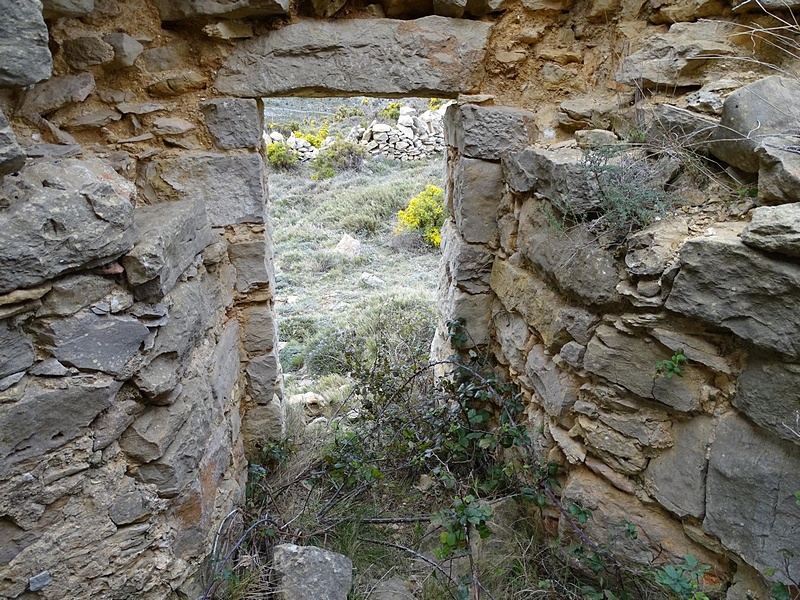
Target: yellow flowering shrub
x,y
425,214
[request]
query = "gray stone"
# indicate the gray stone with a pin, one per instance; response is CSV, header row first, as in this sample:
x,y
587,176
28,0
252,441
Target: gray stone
x,y
573,258
326,8
74,292
226,367
93,120
55,9
50,368
110,425
477,190
750,503
677,58
39,581
475,309
779,170
172,126
177,84
170,235
555,389
470,265
50,151
512,335
61,216
258,328
126,49
450,8
630,361
723,282
16,350
174,55
678,475
260,423
488,132
310,573
94,343
140,108
262,375
130,505
752,113
177,10
250,261
428,56
674,127
154,430
24,53
653,249
50,414
232,187
86,51
572,353
768,394
595,138
233,122
12,158
774,229
51,95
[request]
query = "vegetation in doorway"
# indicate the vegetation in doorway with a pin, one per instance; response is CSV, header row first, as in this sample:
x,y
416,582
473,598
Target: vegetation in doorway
x,y
424,215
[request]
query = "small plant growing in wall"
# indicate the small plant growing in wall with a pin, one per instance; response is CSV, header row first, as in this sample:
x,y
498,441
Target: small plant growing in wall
x,y
424,214
670,366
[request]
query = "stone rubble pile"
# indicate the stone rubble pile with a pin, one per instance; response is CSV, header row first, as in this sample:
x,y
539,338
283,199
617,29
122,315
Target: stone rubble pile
x,y
305,150
414,137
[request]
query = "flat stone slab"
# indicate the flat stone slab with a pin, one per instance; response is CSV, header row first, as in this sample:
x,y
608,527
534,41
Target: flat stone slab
x,y
176,10
384,57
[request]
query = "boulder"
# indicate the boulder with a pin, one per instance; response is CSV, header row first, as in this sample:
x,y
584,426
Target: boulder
x,y
177,10
310,573
477,190
750,496
774,229
51,95
62,216
752,113
778,170
24,52
87,51
55,9
428,56
233,122
232,187
725,283
488,132
12,158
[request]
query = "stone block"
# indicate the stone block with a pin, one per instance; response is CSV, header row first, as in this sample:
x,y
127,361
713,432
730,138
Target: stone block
x,y
251,263
768,394
512,334
774,229
55,9
71,293
55,93
177,10
750,503
470,265
651,250
170,236
61,216
475,309
262,375
16,350
226,367
678,475
309,573
258,328
630,361
615,449
86,51
232,186
260,424
93,342
154,430
778,170
12,158
671,125
126,49
477,191
725,283
488,132
554,387
233,122
49,415
432,55
24,51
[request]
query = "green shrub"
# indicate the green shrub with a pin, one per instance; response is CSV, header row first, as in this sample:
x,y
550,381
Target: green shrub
x,y
391,112
425,214
281,156
342,155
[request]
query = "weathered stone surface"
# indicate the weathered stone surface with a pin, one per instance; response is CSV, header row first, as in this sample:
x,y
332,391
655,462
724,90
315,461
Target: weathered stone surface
x,y
233,122
49,96
177,84
176,10
677,58
61,216
475,309
261,423
92,120
12,158
16,350
778,170
24,53
488,132
126,49
673,126
250,261
154,430
432,55
660,539
477,189
49,415
750,504
309,573
262,374
574,259
512,335
226,366
774,229
653,249
450,8
232,187
556,390
751,114
95,343
171,235
768,394
86,51
258,328
724,282
678,475
623,454
54,9
71,293
172,126
630,362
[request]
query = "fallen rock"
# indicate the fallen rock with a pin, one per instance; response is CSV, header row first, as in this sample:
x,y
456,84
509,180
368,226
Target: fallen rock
x,y
310,573
432,55
774,229
233,122
87,51
62,216
176,10
24,51
12,158
51,95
